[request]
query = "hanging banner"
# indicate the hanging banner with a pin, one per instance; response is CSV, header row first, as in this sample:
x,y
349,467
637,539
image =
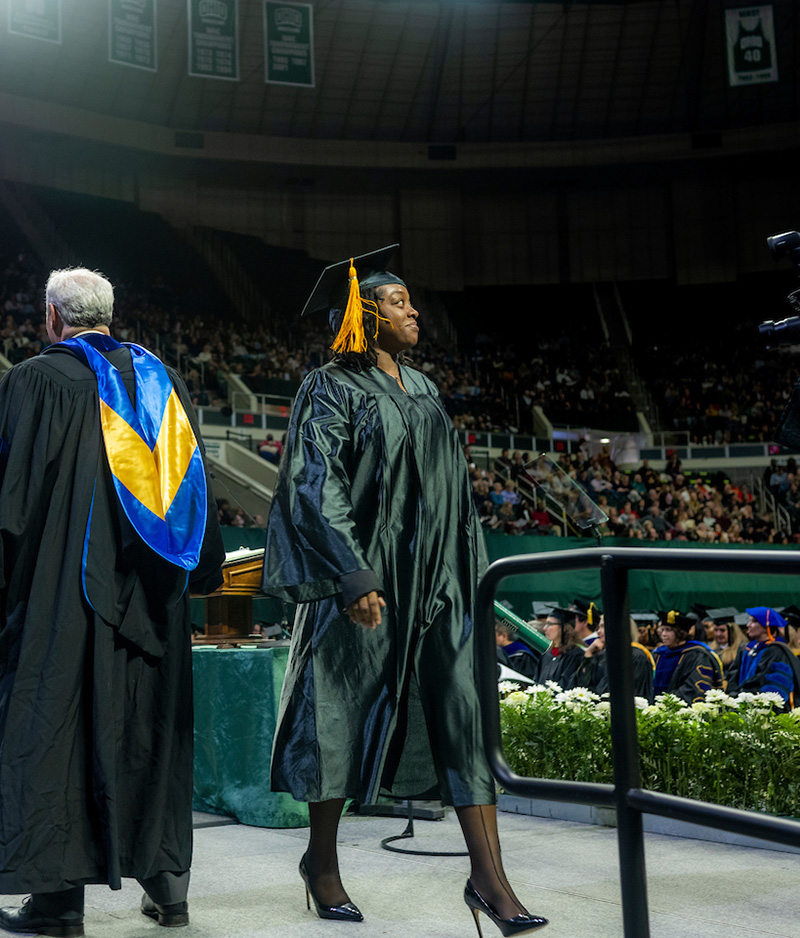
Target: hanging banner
x,y
132,33
37,19
750,39
289,43
214,39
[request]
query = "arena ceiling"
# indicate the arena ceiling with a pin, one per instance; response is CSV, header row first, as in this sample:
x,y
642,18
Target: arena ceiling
x,y
440,71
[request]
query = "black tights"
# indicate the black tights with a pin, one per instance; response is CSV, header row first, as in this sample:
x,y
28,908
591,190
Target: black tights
x,y
478,824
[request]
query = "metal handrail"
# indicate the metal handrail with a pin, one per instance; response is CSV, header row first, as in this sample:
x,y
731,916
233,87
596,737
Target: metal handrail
x,y
626,794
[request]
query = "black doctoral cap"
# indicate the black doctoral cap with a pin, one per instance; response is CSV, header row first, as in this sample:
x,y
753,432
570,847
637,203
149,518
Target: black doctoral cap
x,y
723,615
677,619
331,287
792,615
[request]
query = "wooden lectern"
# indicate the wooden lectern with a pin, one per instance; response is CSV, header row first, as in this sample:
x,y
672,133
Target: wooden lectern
x,y
229,610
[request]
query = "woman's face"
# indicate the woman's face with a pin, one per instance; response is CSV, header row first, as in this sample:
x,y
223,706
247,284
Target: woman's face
x,y
668,636
401,331
552,630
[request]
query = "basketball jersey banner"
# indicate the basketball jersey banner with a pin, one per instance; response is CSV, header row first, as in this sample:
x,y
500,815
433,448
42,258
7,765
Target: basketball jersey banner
x,y
37,19
750,39
132,33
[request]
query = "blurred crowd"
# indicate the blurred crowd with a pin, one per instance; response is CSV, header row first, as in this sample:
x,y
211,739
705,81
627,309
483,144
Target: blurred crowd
x,y
590,492
495,386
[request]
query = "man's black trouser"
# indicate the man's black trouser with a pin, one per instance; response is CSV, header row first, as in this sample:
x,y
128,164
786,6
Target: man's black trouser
x,y
163,889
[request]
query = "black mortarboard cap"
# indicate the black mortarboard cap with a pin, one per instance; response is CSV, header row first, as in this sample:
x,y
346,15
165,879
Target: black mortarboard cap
x,y
791,614
333,281
741,619
722,615
644,617
677,619
543,609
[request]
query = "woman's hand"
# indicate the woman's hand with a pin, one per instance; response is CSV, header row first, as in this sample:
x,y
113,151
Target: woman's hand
x,y
366,610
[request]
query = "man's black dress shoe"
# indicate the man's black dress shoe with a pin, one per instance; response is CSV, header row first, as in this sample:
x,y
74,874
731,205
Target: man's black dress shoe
x,y
170,915
27,919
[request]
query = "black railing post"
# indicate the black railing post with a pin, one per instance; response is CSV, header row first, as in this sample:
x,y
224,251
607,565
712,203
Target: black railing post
x,y
627,776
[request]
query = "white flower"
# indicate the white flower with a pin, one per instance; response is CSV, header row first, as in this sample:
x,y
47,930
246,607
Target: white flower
x,y
603,706
537,689
506,687
718,696
577,695
746,697
688,714
770,697
516,699
670,699
703,706
641,703
553,686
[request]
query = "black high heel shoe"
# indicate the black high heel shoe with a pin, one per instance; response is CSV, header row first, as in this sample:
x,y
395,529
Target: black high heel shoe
x,y
508,926
348,912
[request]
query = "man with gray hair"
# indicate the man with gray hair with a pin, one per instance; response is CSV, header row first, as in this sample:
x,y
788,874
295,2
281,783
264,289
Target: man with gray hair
x,y
106,520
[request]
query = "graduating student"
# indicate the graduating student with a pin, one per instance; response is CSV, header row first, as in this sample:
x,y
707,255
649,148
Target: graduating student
x,y
106,515
593,671
561,662
373,532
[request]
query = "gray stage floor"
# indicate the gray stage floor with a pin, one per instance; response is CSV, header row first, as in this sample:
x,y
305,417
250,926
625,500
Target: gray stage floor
x,y
245,885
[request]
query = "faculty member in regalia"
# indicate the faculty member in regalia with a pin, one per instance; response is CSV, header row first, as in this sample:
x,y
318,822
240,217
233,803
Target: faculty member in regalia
x,y
373,532
106,517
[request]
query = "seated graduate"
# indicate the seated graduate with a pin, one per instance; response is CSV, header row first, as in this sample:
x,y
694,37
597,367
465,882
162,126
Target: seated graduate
x,y
593,671
684,667
560,663
513,653
766,663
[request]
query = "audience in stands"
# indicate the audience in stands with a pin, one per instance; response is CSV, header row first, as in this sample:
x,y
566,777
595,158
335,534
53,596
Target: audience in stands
x,y
570,376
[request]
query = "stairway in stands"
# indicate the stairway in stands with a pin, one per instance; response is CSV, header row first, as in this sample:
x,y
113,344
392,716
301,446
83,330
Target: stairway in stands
x,y
617,331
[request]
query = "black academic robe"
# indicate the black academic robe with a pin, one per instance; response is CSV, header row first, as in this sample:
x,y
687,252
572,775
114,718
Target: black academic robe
x,y
561,667
593,673
687,671
373,493
95,655
766,667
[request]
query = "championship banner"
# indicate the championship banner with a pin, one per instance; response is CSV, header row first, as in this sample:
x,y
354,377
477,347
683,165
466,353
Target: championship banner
x,y
132,33
750,40
214,39
288,43
36,19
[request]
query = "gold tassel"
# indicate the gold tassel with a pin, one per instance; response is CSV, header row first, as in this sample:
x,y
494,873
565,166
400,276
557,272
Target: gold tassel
x,y
350,337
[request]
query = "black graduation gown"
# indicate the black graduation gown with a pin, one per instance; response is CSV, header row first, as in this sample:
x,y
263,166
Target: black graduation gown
x,y
373,493
593,673
561,668
95,700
